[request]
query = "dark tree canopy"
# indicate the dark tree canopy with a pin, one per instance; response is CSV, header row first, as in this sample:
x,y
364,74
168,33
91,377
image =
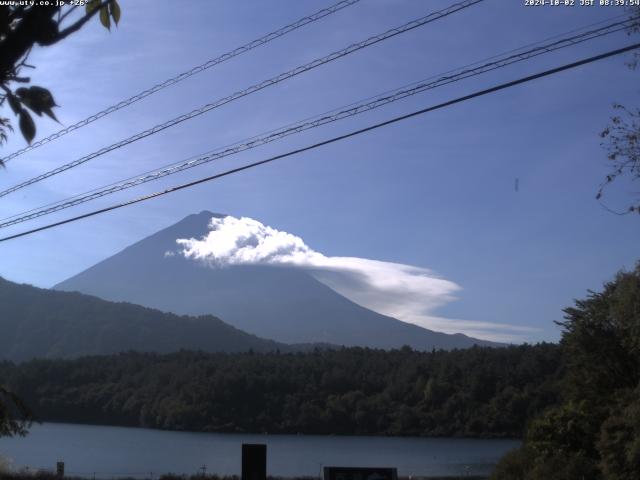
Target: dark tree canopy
x,y
22,27
477,392
595,432
15,416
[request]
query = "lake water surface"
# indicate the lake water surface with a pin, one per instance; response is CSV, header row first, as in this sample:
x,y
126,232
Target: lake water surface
x,y
116,451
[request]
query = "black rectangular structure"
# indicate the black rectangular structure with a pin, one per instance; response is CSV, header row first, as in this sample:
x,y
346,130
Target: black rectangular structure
x,y
357,473
254,461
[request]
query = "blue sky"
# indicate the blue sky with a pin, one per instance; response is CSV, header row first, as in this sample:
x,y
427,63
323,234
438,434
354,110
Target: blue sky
x,y
435,192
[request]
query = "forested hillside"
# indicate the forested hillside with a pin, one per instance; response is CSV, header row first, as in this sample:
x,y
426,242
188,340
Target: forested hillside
x,y
36,322
594,432
474,392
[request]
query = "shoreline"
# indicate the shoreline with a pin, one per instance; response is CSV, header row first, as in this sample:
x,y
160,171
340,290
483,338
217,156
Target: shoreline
x,y
276,434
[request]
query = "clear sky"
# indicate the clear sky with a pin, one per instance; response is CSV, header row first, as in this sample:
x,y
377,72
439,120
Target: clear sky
x,y
435,192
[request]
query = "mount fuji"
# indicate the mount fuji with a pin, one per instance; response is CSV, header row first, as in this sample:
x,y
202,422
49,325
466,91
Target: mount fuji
x,y
266,293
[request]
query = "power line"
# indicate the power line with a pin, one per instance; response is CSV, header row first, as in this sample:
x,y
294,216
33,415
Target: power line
x,y
189,73
479,93
252,89
323,119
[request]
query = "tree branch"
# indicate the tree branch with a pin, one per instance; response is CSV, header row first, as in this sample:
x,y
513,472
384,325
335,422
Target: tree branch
x,y
65,14
26,33
78,24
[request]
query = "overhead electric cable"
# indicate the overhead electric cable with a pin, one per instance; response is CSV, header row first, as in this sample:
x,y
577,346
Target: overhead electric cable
x,y
391,121
353,109
189,73
252,89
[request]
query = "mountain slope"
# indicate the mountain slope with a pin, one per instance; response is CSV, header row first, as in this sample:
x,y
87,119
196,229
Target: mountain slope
x,y
281,303
45,323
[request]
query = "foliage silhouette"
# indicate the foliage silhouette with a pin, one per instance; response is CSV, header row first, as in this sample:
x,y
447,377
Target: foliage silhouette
x,y
595,431
24,26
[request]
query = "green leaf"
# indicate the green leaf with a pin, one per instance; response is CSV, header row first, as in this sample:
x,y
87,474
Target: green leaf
x,y
25,98
38,99
27,127
104,18
49,113
114,8
92,5
14,103
42,97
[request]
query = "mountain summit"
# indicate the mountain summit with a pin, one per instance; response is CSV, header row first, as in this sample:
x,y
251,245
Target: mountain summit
x,y
283,303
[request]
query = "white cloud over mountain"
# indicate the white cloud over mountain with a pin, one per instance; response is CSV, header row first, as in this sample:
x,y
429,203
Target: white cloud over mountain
x,y
405,292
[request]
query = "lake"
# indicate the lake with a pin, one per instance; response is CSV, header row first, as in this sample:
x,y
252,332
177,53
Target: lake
x,y
117,451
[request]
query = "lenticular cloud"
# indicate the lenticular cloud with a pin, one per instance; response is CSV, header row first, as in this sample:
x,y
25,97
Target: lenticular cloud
x,y
405,292
244,241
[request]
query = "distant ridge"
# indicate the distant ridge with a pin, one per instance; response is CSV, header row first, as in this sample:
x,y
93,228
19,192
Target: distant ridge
x,y
279,303
43,323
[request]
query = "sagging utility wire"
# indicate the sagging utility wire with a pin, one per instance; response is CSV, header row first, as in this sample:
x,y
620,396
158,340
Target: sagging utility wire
x,y
186,74
354,133
252,89
323,119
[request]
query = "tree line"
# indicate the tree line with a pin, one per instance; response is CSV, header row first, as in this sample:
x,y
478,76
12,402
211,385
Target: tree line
x,y
478,392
